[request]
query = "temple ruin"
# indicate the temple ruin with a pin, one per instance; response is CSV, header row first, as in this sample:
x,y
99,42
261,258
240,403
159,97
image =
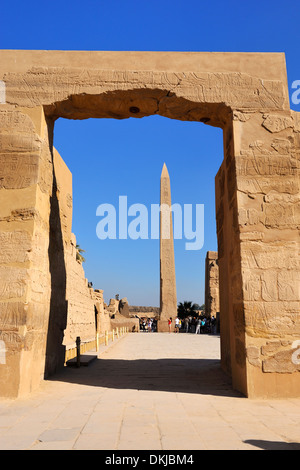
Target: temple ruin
x,y
257,199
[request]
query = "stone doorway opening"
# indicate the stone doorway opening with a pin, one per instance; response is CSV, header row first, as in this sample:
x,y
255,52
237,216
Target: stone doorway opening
x,y
108,158
139,103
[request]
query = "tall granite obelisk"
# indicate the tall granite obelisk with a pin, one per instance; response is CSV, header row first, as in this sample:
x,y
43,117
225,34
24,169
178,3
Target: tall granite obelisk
x,y
168,298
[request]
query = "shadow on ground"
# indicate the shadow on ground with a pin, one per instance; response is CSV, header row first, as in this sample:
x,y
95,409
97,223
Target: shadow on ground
x,y
273,445
201,376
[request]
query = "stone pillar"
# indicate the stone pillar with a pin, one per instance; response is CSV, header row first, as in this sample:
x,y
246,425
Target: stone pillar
x,y
212,304
230,281
267,169
25,189
168,297
257,205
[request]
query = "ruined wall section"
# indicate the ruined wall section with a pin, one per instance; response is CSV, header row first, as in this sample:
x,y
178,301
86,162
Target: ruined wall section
x,y
87,313
117,310
140,311
103,316
80,298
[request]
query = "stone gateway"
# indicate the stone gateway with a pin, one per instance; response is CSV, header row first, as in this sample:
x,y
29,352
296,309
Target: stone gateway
x,y
257,198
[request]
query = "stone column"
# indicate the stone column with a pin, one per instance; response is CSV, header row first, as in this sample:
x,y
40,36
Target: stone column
x,y
212,304
25,190
267,170
168,297
257,205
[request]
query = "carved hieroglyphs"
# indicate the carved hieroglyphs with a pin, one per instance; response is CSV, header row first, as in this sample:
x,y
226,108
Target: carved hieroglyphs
x,y
212,296
257,197
168,297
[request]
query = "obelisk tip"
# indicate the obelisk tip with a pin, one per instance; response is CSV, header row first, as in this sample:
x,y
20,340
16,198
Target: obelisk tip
x,y
164,173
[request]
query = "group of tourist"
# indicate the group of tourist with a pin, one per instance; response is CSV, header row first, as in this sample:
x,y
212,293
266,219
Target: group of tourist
x,y
148,324
197,325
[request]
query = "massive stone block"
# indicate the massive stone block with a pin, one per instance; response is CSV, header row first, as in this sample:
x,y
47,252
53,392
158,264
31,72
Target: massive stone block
x,y
257,198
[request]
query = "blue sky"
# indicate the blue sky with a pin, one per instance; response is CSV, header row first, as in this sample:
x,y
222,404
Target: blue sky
x,y
109,158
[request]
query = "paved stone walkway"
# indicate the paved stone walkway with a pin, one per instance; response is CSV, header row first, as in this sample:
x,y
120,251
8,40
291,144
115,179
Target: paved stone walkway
x,y
148,391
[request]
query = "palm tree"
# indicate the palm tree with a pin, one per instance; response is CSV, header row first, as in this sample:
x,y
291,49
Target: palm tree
x,y
79,256
186,309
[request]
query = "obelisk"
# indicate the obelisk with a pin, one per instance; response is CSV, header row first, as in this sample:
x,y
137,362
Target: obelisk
x,y
168,298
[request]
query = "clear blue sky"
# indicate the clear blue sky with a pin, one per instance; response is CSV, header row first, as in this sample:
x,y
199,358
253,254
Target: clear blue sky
x,y
109,158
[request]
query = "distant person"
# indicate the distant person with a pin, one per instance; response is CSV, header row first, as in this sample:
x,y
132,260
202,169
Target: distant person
x,y
176,325
186,324
198,326
213,325
170,324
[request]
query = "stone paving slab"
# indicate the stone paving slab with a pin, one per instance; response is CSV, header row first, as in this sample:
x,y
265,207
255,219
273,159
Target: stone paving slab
x,y
148,391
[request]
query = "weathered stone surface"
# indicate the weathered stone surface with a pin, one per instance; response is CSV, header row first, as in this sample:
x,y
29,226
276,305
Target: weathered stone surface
x,y
15,246
253,356
238,90
124,307
280,363
277,123
81,304
267,218
142,311
212,297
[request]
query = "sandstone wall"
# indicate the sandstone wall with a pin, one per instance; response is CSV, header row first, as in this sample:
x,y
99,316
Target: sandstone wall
x,y
120,321
81,304
87,313
117,318
150,312
80,319
103,317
